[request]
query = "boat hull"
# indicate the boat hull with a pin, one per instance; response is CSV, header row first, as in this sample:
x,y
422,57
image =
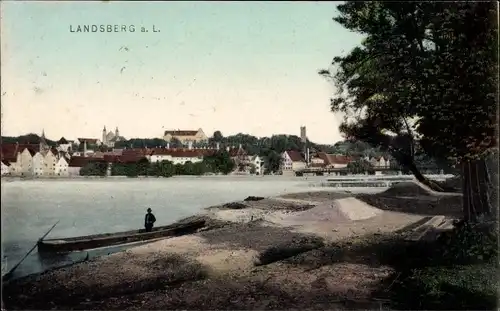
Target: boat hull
x,y
66,245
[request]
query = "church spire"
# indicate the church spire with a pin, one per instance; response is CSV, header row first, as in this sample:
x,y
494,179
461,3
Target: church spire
x,y
43,146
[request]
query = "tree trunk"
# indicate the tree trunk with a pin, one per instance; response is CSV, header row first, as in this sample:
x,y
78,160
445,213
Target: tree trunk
x,y
477,189
422,179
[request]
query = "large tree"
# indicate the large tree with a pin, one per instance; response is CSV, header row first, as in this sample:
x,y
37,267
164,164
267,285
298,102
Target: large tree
x,y
425,71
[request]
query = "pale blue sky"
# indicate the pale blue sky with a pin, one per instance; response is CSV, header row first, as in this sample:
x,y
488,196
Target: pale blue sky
x,y
246,67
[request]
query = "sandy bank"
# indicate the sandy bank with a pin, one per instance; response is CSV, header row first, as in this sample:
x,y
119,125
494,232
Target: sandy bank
x,y
245,260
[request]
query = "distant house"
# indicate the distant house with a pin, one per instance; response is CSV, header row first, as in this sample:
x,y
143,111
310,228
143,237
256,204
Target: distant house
x,y
160,154
259,164
239,156
63,145
20,157
181,156
24,162
62,167
335,161
50,160
76,163
319,159
292,161
38,164
186,136
378,162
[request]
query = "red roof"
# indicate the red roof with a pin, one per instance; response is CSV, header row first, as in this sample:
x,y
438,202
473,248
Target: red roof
x,y
338,159
129,159
10,151
136,152
160,151
111,158
295,156
182,153
79,161
181,133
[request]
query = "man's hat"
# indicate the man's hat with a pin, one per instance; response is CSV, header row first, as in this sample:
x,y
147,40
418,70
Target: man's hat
x,y
149,209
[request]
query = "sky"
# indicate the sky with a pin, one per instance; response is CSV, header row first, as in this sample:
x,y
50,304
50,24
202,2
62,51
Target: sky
x,y
248,67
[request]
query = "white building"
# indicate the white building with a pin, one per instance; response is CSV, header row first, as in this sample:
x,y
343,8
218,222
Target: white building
x,y
63,145
75,164
62,167
258,162
183,156
160,154
50,160
24,162
38,167
292,161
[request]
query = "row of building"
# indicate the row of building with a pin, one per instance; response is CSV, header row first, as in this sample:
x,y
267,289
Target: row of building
x,y
293,161
39,160
110,138
42,160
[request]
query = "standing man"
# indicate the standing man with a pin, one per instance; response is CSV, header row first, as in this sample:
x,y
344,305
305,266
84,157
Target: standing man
x,y
149,220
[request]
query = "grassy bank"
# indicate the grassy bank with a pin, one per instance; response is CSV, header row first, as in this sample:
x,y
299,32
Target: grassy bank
x,y
456,272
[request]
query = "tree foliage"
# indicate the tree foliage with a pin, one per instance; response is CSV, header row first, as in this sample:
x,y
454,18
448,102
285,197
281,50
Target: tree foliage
x,y
433,62
26,139
425,72
360,166
94,169
220,162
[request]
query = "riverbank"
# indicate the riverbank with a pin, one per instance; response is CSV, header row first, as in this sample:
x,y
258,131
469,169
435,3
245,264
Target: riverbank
x,y
274,253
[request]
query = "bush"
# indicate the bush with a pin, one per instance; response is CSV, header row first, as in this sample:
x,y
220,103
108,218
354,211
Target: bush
x,y
469,243
457,271
471,287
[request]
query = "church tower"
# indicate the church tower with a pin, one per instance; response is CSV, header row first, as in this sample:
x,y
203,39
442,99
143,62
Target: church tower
x,y
104,142
117,133
43,146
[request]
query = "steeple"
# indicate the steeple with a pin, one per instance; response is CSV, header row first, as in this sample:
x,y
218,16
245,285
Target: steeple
x,y
43,146
117,133
104,140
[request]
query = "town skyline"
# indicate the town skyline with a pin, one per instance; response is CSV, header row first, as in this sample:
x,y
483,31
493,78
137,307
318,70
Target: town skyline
x,y
159,136
239,67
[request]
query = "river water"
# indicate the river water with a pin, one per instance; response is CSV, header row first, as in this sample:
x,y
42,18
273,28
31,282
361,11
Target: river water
x,y
92,206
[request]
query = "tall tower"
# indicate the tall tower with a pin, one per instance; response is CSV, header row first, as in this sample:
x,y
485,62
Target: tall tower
x,y
43,146
117,133
303,137
104,142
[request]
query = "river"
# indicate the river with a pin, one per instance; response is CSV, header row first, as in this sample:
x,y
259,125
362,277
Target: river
x,y
91,206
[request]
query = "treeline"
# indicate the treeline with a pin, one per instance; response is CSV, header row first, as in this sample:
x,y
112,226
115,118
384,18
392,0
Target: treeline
x,y
26,139
220,163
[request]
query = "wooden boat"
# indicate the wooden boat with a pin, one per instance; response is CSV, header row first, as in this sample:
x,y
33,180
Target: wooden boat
x,y
110,239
